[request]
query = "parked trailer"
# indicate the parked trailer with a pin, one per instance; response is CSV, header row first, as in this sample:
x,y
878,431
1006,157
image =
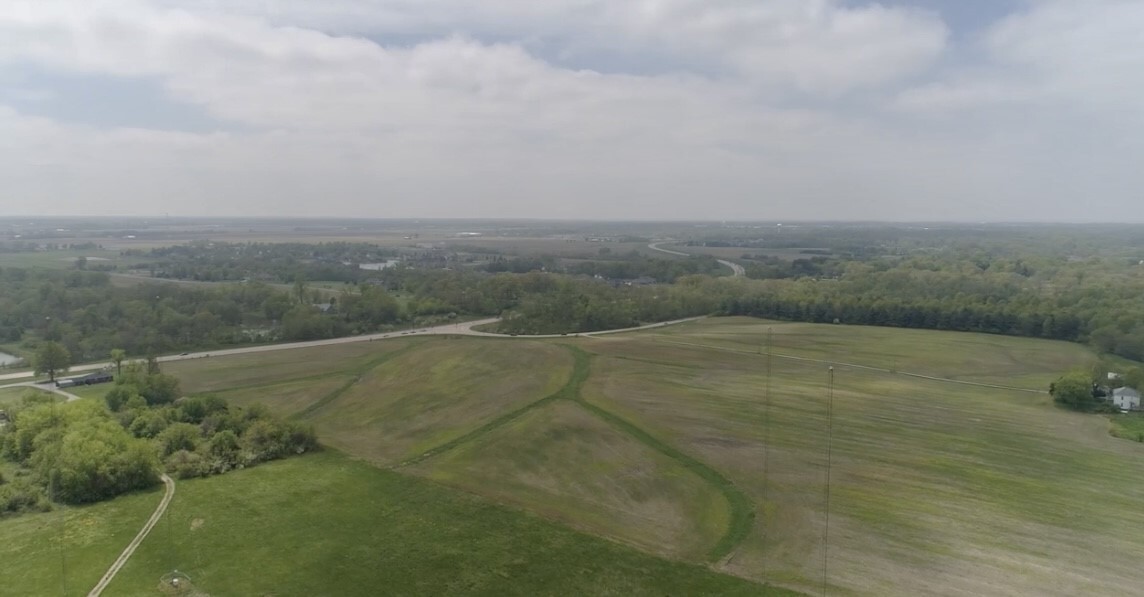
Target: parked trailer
x,y
86,380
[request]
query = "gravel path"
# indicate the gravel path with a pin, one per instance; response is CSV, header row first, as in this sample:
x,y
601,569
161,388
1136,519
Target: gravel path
x,y
131,547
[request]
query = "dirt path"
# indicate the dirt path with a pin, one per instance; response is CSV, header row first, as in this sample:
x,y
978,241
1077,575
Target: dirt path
x,y
143,532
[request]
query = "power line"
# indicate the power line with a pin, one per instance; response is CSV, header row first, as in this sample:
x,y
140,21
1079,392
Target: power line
x,y
766,447
53,474
829,439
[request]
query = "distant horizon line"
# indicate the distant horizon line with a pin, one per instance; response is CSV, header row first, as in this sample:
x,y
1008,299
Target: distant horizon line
x,y
717,221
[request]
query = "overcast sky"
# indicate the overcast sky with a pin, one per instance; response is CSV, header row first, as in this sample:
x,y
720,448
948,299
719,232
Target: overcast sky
x,y
638,109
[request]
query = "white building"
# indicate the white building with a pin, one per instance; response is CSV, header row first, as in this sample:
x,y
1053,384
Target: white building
x,y
1126,398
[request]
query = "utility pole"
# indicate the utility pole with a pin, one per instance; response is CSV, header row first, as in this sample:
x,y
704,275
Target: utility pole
x,y
829,440
766,447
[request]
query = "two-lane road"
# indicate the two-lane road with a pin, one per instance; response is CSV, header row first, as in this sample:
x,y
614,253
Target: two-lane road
x,y
452,329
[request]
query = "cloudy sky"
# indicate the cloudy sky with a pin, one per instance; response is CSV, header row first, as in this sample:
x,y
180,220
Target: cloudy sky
x,y
639,109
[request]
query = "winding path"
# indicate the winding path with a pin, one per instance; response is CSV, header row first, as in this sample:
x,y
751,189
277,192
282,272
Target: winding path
x,y
143,532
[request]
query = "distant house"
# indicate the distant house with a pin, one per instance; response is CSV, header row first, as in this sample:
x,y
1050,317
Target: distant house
x,y
1113,376
324,307
1126,398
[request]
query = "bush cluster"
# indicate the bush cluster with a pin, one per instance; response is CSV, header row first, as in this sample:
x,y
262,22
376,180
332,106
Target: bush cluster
x,y
94,450
204,435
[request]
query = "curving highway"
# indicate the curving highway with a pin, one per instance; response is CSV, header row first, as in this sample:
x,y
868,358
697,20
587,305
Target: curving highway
x,y
736,269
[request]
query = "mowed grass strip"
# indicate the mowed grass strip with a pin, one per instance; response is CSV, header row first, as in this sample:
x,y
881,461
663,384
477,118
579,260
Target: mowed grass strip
x,y
937,488
568,391
438,393
324,524
742,512
65,552
563,462
290,398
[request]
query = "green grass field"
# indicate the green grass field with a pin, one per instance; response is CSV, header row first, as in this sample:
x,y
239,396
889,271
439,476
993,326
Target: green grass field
x,y
14,396
1128,426
92,391
425,398
665,441
323,524
66,551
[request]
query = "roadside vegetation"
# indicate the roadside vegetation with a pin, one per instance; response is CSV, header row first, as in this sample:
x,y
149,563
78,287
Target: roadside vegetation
x,y
93,450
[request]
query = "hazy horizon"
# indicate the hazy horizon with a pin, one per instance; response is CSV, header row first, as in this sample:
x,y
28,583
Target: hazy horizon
x,y
904,111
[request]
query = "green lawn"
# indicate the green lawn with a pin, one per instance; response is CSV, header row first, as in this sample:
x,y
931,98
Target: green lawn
x,y
93,391
323,524
13,396
564,463
1128,426
423,398
66,551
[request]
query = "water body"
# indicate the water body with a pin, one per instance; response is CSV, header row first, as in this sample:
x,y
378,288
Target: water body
x,y
379,266
7,359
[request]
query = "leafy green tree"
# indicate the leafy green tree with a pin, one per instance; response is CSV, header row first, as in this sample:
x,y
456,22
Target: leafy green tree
x,y
185,464
178,436
300,288
160,389
117,397
1074,391
117,356
97,460
52,358
148,424
224,447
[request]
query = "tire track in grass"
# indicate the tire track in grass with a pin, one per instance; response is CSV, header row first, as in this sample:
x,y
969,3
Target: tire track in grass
x,y
358,374
742,508
569,390
168,494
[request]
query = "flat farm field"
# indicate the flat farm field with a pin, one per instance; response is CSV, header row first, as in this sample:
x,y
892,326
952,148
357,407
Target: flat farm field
x,y
696,452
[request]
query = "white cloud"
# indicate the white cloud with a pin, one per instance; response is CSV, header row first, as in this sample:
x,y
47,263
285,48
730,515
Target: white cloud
x,y
430,116
1059,53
